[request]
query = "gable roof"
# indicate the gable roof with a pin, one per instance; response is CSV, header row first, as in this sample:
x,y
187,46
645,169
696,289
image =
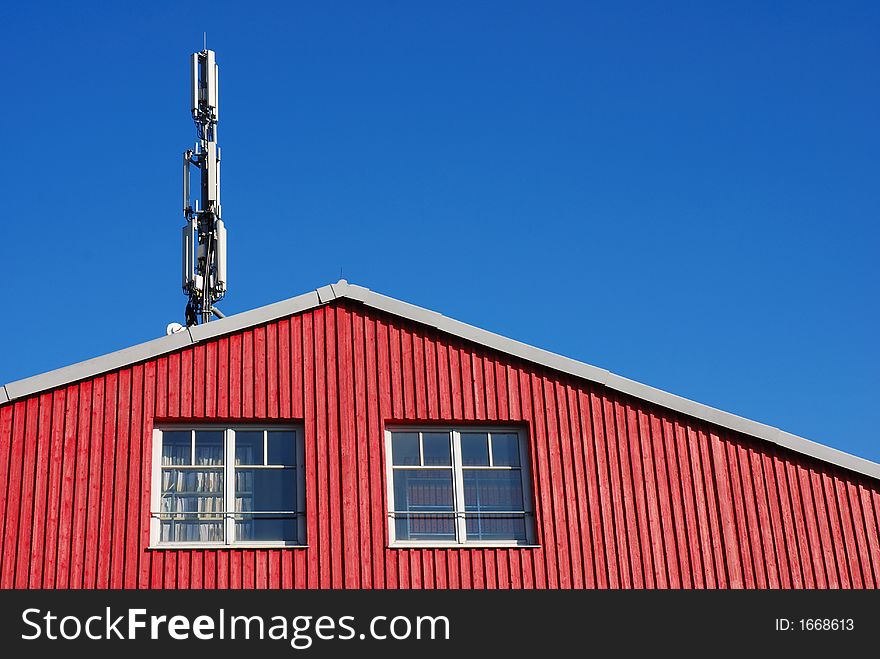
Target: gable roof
x,y
342,289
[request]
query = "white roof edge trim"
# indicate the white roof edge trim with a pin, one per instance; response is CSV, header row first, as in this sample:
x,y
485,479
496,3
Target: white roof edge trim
x,y
157,347
342,289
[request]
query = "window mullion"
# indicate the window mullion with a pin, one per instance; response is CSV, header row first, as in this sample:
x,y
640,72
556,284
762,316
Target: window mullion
x,y
229,498
458,488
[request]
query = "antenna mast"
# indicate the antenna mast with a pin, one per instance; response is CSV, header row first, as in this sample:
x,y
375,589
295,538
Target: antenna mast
x,y
204,234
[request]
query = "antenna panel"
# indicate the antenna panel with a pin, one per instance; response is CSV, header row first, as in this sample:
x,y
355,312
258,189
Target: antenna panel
x,y
188,266
211,174
218,181
187,206
194,83
220,276
211,79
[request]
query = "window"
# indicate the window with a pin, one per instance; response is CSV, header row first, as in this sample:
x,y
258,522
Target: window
x,y
455,486
215,485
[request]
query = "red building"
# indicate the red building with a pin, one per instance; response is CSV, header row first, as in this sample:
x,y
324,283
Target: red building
x,y
343,439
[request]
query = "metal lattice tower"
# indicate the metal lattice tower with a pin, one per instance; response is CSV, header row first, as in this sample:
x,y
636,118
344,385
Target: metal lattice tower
x,y
204,235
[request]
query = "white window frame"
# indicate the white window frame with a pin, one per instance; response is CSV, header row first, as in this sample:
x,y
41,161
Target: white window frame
x,y
229,486
461,541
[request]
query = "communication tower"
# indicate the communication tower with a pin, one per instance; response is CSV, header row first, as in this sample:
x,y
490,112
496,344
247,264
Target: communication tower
x,y
204,234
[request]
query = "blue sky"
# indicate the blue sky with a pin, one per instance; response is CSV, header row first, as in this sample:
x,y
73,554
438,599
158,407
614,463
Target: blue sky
x,y
684,193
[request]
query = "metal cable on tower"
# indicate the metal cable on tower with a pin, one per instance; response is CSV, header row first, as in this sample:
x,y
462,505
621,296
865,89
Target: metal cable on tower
x,y
204,234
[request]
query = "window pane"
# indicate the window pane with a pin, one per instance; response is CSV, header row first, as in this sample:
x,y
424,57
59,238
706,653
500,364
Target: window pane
x,y
191,503
188,530
424,527
265,489
505,449
196,496
496,527
248,447
405,448
435,447
422,490
492,489
187,482
176,447
209,447
280,447
192,491
475,448
266,528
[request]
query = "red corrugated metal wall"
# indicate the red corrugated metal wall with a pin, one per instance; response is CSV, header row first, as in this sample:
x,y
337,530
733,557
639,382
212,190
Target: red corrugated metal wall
x,y
628,495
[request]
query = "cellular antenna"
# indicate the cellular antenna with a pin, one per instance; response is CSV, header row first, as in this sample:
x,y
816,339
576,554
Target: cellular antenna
x,y
204,234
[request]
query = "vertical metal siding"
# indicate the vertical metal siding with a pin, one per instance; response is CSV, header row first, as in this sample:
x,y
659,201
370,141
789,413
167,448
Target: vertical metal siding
x,y
628,495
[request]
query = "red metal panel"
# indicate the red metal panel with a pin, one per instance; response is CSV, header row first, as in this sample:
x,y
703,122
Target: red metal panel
x,y
570,485
704,530
626,494
347,474
96,461
187,383
361,449
651,501
690,515
615,494
120,491
380,408
65,518
488,374
284,362
211,380
611,578
852,551
80,485
776,524
137,444
582,526
273,365
672,490
546,573
247,375
259,373
44,438
322,471
15,441
309,414
750,542
560,569
765,523
26,500
142,530
6,492
631,527
419,386
109,460
200,385
870,507
725,512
